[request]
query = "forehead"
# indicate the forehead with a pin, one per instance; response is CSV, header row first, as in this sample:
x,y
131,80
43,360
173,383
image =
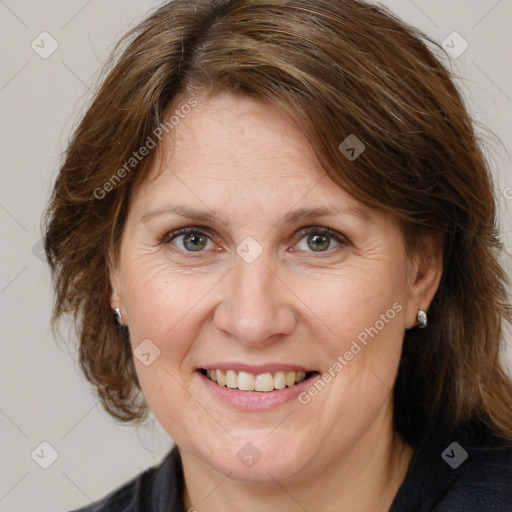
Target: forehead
x,y
233,152
232,136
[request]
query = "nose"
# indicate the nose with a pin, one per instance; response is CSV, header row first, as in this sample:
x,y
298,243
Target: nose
x,y
256,306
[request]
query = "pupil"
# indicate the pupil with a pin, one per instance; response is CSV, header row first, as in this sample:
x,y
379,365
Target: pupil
x,y
194,242
321,241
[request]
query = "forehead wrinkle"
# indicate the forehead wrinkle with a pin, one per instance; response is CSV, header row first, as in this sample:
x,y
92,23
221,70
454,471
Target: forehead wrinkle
x,y
292,217
302,214
184,211
281,164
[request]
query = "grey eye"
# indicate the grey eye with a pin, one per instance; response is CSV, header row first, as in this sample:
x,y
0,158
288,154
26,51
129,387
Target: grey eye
x,y
317,242
193,241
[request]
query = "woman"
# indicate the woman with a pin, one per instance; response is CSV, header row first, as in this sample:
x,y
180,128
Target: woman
x,y
285,207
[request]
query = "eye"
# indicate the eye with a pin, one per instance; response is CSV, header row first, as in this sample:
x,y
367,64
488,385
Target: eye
x,y
311,239
319,239
188,239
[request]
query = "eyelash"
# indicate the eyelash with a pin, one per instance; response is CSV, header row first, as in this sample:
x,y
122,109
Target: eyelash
x,y
299,235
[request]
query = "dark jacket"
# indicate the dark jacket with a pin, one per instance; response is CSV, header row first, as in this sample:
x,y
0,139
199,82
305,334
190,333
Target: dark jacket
x,y
469,470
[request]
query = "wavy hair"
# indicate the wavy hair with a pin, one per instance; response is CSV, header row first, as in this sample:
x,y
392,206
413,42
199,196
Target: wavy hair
x,y
337,67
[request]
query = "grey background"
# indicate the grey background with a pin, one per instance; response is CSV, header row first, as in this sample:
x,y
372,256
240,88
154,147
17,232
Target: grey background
x,y
43,397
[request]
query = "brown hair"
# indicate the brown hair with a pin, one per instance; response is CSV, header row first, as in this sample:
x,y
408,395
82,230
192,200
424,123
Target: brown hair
x,y
337,67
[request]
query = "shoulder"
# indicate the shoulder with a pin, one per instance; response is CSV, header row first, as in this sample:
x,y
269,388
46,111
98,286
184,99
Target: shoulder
x,y
468,469
118,500
157,488
483,480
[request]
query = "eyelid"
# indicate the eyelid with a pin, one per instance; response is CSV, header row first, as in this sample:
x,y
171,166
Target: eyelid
x,y
338,238
175,233
298,235
321,230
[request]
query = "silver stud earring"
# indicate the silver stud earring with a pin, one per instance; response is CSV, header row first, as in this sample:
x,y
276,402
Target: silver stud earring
x,y
422,318
117,314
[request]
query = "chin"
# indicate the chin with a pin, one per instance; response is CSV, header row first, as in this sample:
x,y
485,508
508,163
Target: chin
x,y
256,459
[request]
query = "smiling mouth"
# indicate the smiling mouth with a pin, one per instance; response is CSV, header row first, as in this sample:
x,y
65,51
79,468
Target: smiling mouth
x,y
263,382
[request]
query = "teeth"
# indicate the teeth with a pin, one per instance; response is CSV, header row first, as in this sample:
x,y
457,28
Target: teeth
x,y
231,379
280,380
264,382
221,377
246,381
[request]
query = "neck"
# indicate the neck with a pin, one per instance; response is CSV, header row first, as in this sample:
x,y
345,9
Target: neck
x,y
366,478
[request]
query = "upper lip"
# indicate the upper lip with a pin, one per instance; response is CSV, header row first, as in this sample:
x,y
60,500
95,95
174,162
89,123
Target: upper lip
x,y
257,369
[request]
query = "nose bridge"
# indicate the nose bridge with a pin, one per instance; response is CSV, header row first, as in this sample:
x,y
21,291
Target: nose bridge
x,y
253,282
251,297
255,307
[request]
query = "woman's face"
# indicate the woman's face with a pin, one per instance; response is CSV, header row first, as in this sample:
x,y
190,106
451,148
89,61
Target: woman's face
x,y
258,289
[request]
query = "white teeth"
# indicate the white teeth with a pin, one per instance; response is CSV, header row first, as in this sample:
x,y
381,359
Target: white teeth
x,y
231,379
245,381
264,382
221,377
290,379
280,380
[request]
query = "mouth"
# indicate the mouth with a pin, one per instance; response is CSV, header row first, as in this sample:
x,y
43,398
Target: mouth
x,y
265,382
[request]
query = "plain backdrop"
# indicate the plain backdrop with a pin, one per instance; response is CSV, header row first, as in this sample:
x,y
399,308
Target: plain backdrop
x,y
43,398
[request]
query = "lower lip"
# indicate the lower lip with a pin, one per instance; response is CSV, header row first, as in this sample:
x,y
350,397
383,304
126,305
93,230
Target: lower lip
x,y
256,400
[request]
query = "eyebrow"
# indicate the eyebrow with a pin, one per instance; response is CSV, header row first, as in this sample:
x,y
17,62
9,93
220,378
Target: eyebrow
x,y
292,217
296,216
184,211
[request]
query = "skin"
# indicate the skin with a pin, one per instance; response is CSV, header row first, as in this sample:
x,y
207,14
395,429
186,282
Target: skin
x,y
244,161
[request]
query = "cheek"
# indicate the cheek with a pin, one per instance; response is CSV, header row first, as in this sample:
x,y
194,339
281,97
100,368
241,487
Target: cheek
x,y
163,308
362,327
362,303
159,305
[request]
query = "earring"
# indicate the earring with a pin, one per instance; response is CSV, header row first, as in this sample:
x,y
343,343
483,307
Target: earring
x,y
422,318
117,314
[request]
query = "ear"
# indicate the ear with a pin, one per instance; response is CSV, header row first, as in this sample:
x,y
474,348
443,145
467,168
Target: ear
x,y
115,296
425,272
